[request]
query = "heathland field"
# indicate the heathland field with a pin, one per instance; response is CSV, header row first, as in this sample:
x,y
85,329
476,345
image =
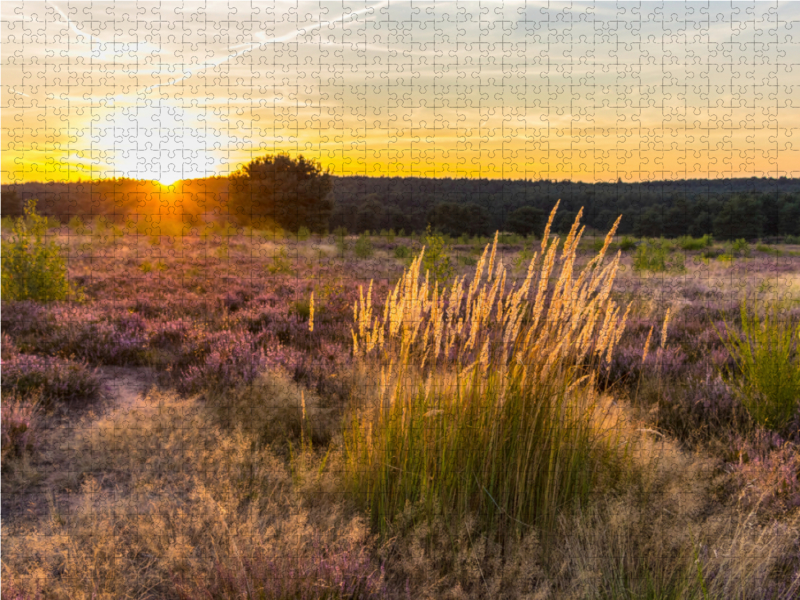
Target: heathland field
x,y
238,413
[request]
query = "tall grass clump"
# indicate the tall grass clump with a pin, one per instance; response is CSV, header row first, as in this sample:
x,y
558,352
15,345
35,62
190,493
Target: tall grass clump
x,y
767,357
33,268
486,403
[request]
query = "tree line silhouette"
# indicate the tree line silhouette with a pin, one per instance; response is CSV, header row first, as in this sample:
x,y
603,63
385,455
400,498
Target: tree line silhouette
x,y
293,193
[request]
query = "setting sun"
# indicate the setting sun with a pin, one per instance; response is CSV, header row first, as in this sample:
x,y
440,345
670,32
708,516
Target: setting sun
x,y
148,141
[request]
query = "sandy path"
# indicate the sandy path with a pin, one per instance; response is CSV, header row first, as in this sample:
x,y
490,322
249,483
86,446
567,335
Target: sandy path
x,y
125,390
127,386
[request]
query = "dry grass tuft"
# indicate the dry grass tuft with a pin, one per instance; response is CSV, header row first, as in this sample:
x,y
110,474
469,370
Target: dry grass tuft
x,y
172,505
487,402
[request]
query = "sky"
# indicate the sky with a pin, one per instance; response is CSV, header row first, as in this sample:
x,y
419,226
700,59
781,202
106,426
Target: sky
x,y
523,90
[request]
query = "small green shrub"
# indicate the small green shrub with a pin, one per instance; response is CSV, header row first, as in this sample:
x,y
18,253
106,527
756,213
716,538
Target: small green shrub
x,y
103,225
402,252
598,244
769,250
340,236
222,251
437,258
273,233
303,234
509,238
301,308
767,374
390,236
364,247
711,252
628,243
77,225
741,247
668,245
146,266
33,268
280,263
687,242
522,260
654,256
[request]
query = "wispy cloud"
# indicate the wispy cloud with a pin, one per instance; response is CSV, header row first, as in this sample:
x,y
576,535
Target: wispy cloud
x,y
262,40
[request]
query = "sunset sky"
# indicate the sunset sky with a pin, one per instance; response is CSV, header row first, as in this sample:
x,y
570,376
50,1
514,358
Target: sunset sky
x,y
581,91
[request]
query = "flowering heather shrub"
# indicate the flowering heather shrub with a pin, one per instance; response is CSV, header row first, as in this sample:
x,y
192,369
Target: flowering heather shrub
x,y
236,299
695,292
101,333
267,299
132,322
8,348
20,419
710,335
10,591
169,334
695,407
278,355
319,366
256,319
324,370
769,471
29,318
110,344
59,380
232,360
626,364
670,362
715,398
337,570
721,360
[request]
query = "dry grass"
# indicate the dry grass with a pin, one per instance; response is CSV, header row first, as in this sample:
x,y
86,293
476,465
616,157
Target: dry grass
x,y
672,534
501,421
491,468
171,504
